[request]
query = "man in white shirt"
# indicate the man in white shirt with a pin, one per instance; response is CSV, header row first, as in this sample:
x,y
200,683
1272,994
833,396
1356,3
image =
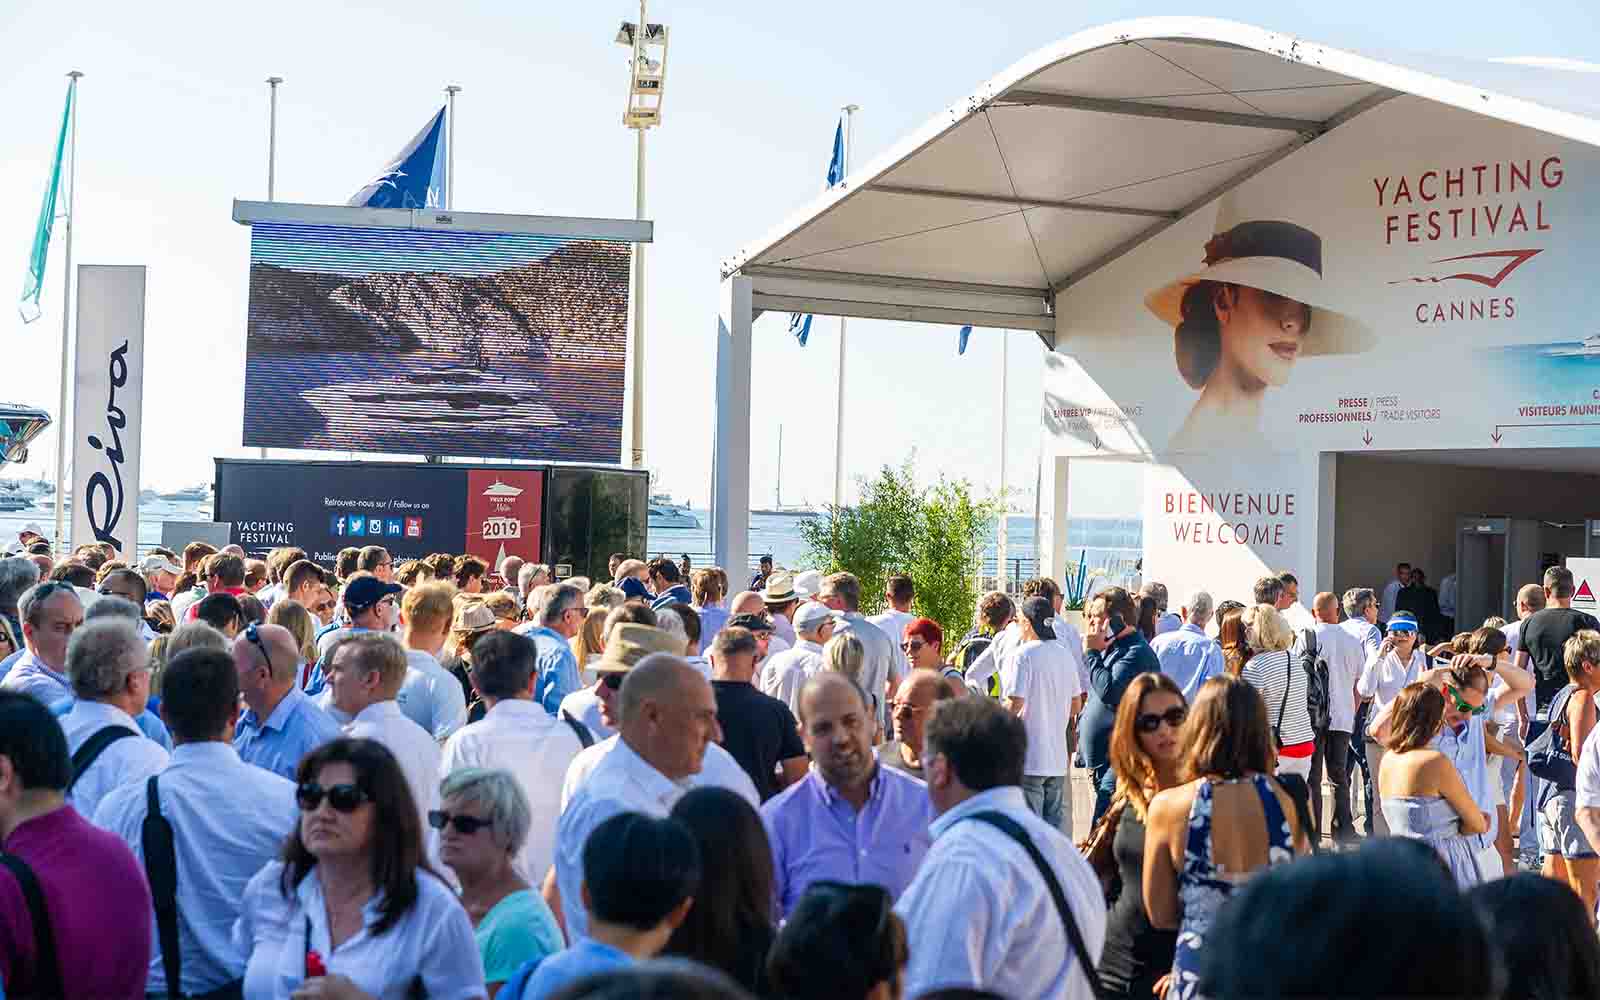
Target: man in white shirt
x,y
1009,637
1039,686
1391,592
110,673
784,673
884,663
430,696
1361,616
1345,657
50,612
899,592
979,909
228,820
1188,655
1294,612
669,717
518,735
1397,662
365,672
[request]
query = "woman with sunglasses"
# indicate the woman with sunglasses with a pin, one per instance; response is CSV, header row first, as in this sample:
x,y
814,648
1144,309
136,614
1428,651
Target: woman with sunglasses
x,y
1421,792
482,822
353,910
841,942
1144,755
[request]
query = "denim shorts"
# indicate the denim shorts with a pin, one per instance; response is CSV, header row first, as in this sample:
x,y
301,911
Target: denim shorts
x,y
1559,832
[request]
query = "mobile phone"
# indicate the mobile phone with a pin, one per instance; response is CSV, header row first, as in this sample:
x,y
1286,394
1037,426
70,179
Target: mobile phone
x,y
1115,625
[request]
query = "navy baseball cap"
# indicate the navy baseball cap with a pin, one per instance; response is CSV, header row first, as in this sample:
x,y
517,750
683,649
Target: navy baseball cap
x,y
365,591
1403,621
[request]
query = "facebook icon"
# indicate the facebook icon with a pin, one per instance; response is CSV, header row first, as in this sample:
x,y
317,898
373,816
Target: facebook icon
x,y
338,525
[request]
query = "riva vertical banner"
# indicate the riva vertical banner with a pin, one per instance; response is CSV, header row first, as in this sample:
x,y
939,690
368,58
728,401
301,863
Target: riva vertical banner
x,y
108,394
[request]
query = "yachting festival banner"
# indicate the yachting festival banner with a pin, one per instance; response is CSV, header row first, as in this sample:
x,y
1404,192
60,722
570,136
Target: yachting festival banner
x,y
108,406
1419,278
411,509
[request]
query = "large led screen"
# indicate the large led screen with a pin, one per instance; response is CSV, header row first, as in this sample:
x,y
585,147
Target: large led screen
x,y
506,345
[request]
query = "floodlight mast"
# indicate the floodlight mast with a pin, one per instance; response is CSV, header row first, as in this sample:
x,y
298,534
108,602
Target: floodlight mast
x,y
646,88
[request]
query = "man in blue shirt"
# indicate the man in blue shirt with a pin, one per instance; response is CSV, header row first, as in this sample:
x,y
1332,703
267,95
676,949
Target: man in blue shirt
x,y
228,820
1187,654
558,619
1115,657
280,723
640,876
667,582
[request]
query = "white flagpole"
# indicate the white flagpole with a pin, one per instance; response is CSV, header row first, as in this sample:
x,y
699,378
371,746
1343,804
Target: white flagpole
x,y
63,419
272,153
1005,502
450,146
838,419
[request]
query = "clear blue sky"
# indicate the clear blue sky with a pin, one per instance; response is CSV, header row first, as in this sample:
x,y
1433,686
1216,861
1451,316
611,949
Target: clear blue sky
x,y
173,126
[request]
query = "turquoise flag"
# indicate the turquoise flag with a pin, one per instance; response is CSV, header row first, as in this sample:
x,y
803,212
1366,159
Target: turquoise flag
x,y
33,284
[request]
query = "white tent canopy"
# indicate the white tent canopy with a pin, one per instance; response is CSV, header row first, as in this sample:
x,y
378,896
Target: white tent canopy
x,y
1059,165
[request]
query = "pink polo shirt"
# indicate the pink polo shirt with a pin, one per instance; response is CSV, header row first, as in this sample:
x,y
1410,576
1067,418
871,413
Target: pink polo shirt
x,y
99,904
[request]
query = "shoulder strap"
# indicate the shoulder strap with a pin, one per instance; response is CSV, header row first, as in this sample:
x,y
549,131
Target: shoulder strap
x,y
579,729
47,967
161,870
93,747
1283,706
1011,828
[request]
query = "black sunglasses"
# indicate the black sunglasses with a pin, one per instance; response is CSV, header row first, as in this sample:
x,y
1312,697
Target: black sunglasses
x,y
465,825
343,798
1149,722
252,635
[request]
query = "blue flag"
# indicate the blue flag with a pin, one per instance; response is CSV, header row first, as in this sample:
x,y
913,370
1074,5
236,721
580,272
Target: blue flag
x,y
800,326
414,178
961,341
800,323
836,165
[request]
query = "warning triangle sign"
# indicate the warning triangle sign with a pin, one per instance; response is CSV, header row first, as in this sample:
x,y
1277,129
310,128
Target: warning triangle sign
x,y
1584,593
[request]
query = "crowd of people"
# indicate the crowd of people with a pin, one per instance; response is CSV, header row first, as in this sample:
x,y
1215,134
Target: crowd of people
x,y
226,777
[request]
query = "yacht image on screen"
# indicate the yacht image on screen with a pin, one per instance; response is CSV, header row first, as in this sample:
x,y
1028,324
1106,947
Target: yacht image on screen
x,y
439,343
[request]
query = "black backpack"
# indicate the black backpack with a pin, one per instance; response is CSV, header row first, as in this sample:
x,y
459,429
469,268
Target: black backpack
x,y
1316,667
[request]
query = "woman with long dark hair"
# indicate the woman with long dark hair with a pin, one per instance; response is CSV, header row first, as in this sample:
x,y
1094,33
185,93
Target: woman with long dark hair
x,y
1144,755
353,910
1228,820
730,926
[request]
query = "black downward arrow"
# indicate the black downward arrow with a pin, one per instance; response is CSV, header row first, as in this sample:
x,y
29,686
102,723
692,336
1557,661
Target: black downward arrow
x,y
1367,437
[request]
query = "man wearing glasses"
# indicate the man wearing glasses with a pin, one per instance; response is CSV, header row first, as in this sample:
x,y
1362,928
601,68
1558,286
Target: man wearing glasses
x,y
785,672
375,559
559,618
373,606
280,723
305,583
51,612
911,705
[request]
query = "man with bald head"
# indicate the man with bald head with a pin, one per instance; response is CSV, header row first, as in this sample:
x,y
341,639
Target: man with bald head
x,y
669,717
849,819
911,705
280,724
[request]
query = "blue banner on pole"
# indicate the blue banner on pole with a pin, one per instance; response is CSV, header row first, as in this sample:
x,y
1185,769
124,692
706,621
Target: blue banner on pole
x,y
414,177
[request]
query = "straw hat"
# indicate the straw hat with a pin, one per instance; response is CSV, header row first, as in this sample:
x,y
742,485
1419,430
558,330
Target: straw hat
x,y
779,589
1274,256
631,643
808,584
473,617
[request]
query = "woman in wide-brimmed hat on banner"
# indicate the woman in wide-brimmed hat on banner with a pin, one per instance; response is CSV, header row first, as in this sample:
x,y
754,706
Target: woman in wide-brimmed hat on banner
x,y
1240,323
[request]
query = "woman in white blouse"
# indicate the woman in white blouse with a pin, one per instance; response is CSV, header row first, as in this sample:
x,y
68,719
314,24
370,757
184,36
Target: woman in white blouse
x,y
354,911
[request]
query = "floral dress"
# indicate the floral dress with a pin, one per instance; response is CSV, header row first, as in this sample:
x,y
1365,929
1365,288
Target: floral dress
x,y
1203,887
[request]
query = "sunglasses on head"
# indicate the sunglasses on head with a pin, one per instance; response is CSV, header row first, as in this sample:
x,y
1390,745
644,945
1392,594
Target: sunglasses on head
x,y
1149,722
1462,705
343,798
252,635
465,825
